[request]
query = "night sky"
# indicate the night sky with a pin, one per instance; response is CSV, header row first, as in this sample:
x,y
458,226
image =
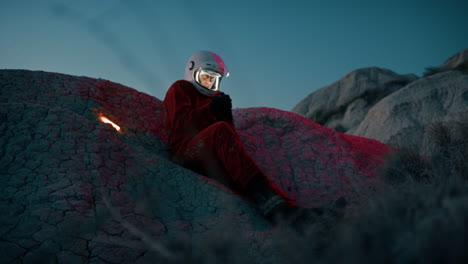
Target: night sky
x,y
277,52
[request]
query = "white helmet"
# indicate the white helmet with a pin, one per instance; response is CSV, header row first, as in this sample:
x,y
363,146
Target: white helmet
x,y
209,63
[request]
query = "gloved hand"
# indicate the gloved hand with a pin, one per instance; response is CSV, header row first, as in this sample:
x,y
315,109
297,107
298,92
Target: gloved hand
x,y
221,105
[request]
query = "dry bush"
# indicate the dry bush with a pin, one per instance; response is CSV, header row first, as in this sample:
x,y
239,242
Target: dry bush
x,y
421,214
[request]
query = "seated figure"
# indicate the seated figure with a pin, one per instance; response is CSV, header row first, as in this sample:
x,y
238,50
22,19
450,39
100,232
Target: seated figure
x,y
202,136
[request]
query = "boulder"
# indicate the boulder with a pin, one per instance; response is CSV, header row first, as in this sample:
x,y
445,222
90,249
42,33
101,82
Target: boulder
x,y
458,62
343,104
403,118
394,109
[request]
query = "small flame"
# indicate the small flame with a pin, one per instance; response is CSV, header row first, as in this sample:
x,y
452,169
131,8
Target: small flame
x,y
107,121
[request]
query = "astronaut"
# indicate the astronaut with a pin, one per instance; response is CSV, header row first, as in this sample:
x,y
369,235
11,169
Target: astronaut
x,y
202,136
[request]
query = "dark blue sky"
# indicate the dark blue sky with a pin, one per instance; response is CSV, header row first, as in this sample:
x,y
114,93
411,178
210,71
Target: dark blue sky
x,y
277,52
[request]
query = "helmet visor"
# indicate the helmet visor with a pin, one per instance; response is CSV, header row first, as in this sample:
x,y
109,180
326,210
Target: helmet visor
x,y
208,79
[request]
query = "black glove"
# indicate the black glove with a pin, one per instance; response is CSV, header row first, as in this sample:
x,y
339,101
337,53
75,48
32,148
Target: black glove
x,y
221,105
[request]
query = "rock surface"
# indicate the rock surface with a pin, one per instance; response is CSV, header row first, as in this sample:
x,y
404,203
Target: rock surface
x,y
457,61
343,104
75,190
402,118
394,109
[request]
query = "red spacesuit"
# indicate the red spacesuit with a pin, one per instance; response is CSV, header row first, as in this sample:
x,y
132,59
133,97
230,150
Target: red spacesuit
x,y
204,139
205,143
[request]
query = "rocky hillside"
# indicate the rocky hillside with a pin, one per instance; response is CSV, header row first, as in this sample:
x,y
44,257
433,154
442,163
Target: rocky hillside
x,y
75,189
394,109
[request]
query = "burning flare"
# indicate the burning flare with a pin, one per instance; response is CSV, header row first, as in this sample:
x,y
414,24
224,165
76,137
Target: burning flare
x,y
107,121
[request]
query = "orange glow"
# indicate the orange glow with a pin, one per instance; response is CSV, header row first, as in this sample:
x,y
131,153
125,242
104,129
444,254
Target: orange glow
x,y
107,121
